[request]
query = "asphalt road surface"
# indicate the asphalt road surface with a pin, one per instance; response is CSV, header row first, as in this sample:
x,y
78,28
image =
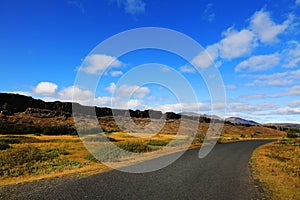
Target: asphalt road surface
x,y
223,174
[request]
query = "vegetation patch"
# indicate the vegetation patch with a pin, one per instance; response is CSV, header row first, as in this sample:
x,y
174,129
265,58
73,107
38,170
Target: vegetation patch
x,y
12,139
157,143
4,145
134,146
277,167
30,160
99,138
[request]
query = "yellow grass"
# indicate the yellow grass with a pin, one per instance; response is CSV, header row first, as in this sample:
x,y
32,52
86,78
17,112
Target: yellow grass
x,y
277,167
77,151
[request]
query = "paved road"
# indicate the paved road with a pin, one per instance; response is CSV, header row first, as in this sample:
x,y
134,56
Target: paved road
x,y
223,174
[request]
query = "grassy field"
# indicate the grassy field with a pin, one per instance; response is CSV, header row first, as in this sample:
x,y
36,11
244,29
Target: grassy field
x,y
277,167
31,157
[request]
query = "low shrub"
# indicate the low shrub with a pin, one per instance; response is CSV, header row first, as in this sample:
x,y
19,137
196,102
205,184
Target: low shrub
x,y
107,153
157,143
12,139
178,142
33,160
22,155
221,140
134,146
234,138
292,135
199,138
4,145
99,138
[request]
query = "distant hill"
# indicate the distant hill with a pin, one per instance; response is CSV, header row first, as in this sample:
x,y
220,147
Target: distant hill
x,y
238,120
284,125
200,115
21,114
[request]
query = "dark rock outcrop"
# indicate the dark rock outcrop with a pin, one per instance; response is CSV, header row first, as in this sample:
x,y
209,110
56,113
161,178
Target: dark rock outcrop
x,y
16,103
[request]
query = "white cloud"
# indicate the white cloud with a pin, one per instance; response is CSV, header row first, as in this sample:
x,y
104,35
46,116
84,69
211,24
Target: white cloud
x,y
259,63
97,63
254,96
236,43
135,6
104,101
76,94
292,91
267,30
182,107
111,88
208,13
132,6
278,82
45,88
292,55
276,79
207,57
230,87
165,69
78,4
286,111
128,91
130,104
294,103
85,97
297,2
295,74
187,69
295,90
116,73
245,107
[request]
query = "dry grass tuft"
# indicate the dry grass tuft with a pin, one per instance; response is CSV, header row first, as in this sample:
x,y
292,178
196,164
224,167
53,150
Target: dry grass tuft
x,y
277,167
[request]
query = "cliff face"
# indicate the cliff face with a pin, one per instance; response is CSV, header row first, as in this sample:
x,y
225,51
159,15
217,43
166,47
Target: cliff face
x,y
15,103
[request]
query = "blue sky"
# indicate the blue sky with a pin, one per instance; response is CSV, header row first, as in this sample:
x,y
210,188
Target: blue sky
x,y
254,44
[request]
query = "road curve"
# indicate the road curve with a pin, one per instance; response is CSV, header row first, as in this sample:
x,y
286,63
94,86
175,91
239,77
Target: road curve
x,y
223,174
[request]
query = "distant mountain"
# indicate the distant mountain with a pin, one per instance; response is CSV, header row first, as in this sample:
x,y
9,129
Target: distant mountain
x,y
193,114
238,120
284,125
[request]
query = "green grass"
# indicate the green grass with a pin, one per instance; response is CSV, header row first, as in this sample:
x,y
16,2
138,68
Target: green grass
x,y
134,146
99,138
177,142
116,152
33,160
4,145
11,139
157,143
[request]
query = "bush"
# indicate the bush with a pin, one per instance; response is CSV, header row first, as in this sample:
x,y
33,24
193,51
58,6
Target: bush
x,y
11,139
221,140
292,135
32,160
243,135
59,130
134,146
178,142
199,138
4,145
108,153
99,138
157,143
234,138
20,156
